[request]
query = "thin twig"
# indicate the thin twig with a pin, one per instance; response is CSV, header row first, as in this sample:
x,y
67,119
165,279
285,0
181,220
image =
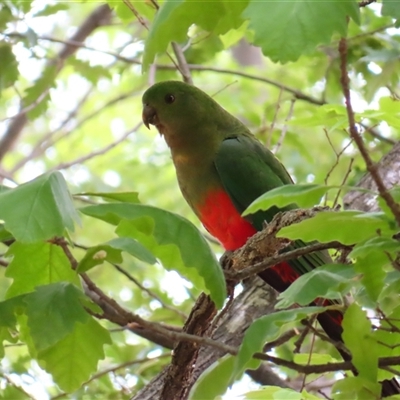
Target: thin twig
x,y
149,292
41,145
18,387
284,128
144,24
183,65
346,176
113,369
274,119
96,153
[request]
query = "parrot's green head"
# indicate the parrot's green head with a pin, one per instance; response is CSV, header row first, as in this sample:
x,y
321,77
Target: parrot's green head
x,y
184,114
172,106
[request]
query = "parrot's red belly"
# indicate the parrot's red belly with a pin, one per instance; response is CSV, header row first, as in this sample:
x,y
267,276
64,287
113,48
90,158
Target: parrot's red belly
x,y
220,217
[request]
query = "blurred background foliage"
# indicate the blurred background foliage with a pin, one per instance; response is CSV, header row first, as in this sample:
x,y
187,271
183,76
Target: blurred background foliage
x,y
78,105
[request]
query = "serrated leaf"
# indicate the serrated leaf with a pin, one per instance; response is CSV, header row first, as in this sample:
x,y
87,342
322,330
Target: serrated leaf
x,y
8,67
326,282
39,209
357,336
378,243
328,226
8,309
40,90
287,30
37,264
72,360
123,197
268,328
58,304
372,270
174,18
171,238
306,195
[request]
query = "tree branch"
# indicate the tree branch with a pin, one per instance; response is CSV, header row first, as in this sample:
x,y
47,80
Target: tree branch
x,y
371,167
99,17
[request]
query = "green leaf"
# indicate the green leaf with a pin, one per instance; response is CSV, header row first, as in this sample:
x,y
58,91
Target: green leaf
x,y
277,393
171,238
97,255
134,248
39,209
391,8
144,9
57,304
388,340
174,18
357,336
8,309
92,73
5,15
328,226
373,273
313,359
356,387
23,5
111,252
326,282
287,30
306,195
38,93
378,243
214,380
72,360
37,264
6,335
268,328
389,296
123,197
8,67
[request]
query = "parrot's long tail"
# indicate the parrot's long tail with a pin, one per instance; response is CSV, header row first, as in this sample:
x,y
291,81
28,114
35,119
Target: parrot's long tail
x,y
330,320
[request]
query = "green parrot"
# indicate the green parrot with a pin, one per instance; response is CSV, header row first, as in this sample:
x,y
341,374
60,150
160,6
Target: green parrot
x,y
222,168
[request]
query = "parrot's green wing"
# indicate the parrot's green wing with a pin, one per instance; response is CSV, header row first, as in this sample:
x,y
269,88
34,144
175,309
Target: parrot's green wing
x,y
247,170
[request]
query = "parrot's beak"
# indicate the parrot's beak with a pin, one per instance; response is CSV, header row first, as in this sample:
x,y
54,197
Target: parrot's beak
x,y
149,115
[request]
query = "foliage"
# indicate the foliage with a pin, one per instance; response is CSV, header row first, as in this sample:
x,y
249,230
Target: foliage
x,y
75,160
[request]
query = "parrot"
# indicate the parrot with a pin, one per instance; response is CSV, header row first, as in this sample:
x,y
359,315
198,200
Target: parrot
x,y
221,169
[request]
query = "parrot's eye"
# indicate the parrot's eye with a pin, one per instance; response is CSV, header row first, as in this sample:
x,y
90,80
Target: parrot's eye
x,y
169,98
